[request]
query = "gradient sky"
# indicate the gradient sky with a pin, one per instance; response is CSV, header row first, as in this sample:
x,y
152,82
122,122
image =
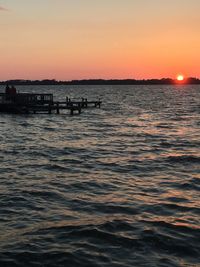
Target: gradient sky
x,y
75,39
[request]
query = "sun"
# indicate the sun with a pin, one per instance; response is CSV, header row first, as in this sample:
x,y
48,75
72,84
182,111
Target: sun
x,y
180,77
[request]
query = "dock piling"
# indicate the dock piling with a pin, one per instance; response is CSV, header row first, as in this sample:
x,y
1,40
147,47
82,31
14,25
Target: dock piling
x,y
57,108
49,109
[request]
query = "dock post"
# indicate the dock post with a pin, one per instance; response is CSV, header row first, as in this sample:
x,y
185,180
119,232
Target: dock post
x,y
99,102
57,108
49,108
79,108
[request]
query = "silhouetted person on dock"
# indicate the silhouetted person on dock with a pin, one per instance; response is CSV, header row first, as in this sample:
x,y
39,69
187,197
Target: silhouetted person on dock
x,y
7,92
13,90
10,92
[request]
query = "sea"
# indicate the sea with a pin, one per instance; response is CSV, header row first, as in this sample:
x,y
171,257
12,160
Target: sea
x,y
116,186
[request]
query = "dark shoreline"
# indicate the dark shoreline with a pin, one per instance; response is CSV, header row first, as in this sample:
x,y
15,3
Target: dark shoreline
x,y
163,81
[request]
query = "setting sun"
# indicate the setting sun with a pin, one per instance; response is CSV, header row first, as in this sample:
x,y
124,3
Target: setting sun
x,y
180,77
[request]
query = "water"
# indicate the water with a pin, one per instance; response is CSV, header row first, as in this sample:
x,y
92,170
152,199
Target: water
x,y
116,186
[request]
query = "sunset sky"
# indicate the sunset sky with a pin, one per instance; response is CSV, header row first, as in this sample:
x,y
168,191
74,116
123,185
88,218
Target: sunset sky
x,y
76,39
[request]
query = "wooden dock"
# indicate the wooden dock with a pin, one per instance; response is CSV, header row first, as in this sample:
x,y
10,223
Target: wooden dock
x,y
43,103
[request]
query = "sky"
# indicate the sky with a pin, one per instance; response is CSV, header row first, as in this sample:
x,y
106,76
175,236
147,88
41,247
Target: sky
x,y
109,39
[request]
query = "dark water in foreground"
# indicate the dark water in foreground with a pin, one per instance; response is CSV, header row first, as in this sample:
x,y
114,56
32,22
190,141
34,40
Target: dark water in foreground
x,y
116,186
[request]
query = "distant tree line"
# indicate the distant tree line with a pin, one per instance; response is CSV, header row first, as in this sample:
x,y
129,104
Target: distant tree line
x,y
100,82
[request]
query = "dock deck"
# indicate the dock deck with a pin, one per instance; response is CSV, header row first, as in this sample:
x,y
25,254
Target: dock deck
x,y
43,103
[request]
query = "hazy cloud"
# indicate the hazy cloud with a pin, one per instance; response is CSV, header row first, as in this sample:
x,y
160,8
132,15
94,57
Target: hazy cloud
x,y
3,9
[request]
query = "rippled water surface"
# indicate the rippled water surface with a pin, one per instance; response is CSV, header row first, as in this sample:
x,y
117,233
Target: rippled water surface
x,y
116,186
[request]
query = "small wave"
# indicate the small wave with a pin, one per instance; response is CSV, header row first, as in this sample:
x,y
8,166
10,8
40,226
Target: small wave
x,y
116,209
185,228
172,244
164,126
56,167
190,185
184,159
165,208
105,233
177,199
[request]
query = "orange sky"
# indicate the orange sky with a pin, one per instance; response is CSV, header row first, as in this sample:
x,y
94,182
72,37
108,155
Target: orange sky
x,y
78,39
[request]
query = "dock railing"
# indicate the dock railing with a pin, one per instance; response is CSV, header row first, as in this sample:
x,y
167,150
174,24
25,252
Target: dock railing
x,y
83,102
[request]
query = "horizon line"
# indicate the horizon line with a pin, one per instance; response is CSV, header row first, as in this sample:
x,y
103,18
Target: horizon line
x,y
93,79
